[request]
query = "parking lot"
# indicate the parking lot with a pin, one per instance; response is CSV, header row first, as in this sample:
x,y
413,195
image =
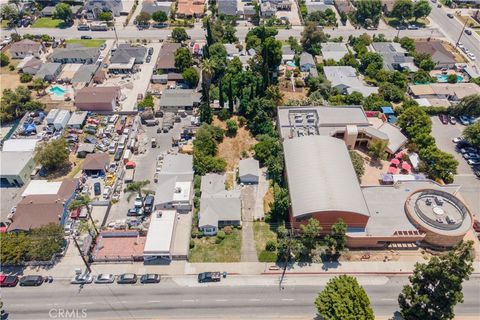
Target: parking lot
x,y
470,184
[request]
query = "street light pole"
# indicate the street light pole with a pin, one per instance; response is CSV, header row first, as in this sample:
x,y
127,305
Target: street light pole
x,y
81,254
461,33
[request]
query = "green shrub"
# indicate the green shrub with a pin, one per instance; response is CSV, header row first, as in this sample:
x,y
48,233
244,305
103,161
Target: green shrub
x,y
221,235
224,114
192,244
271,245
24,78
266,256
228,230
4,60
11,67
241,121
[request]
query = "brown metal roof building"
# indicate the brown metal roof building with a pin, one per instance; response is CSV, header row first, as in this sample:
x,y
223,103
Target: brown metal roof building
x,y
95,163
166,57
97,98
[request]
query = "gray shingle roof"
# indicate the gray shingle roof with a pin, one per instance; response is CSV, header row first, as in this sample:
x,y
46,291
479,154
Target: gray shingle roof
x,y
306,58
79,53
225,207
179,98
84,73
227,7
125,52
248,166
48,69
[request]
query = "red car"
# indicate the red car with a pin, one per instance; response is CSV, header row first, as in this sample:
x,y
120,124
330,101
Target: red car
x,y
8,281
443,118
476,225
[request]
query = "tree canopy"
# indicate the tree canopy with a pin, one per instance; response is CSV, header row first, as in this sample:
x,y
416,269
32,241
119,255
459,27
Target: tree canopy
x,y
436,287
402,10
469,106
368,12
312,37
52,154
159,16
179,34
14,104
343,298
63,12
421,9
183,59
191,77
472,134
358,163
143,18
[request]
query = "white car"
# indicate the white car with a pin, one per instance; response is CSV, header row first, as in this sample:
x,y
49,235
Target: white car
x,y
138,202
471,56
457,139
460,45
106,192
82,279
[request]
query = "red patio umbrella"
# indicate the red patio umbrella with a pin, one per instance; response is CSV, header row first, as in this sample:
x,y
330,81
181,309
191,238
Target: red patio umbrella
x,y
406,166
399,155
130,164
395,162
392,170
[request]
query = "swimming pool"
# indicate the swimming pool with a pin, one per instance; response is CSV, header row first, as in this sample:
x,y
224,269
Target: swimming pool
x,y
57,91
291,64
444,78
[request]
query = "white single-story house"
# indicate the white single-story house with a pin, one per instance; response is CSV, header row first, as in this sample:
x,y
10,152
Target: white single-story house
x,y
249,171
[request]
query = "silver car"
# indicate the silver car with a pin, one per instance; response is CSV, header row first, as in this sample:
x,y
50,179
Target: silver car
x,y
105,278
82,279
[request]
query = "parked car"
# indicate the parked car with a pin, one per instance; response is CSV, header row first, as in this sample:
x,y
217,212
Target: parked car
x,y
31,281
471,155
86,37
150,278
150,51
83,278
8,281
106,192
148,203
209,277
464,120
471,56
468,150
412,27
97,188
474,162
127,278
135,212
138,202
468,31
83,26
457,139
450,15
476,170
148,59
105,278
476,225
452,120
443,118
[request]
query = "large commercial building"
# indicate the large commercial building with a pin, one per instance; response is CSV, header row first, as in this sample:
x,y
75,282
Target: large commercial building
x,y
323,185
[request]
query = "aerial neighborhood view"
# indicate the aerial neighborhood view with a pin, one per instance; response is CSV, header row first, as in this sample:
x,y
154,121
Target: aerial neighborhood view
x,y
240,159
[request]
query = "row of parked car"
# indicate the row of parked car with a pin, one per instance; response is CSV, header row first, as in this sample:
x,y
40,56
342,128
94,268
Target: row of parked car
x,y
106,278
469,153
31,281
465,120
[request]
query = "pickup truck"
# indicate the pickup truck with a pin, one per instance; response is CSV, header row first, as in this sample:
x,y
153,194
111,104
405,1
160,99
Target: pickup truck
x,y
129,174
209,277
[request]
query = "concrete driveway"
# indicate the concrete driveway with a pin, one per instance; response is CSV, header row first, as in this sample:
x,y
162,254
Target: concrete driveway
x,y
470,184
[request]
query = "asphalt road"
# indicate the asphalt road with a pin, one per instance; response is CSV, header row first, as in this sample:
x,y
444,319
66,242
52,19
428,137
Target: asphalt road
x,y
452,28
206,301
130,32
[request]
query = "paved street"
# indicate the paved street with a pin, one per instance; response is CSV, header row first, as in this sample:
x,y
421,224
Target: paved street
x,y
258,298
452,28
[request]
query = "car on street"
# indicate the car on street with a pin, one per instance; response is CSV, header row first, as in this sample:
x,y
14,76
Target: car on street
x,y
31,281
83,26
452,120
457,139
401,27
105,278
450,15
412,27
443,118
127,278
476,171
138,202
8,281
468,150
97,189
209,277
148,203
135,212
471,56
148,59
83,278
150,51
460,45
468,31
106,192
150,278
86,37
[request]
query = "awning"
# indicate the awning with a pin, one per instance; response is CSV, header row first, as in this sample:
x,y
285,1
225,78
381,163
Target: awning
x,y
406,166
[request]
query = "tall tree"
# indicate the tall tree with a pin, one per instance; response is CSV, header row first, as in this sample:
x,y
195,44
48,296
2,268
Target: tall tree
x,y
402,10
421,9
414,121
376,150
183,59
310,233
231,102
344,298
368,12
179,34
210,39
206,114
472,134
469,105
137,188
143,18
439,164
52,155
220,94
337,239
436,287
63,12
159,16
208,69
312,37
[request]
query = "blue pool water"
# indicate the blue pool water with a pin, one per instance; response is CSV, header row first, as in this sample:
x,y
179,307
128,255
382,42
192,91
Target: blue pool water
x,y
57,91
291,64
444,78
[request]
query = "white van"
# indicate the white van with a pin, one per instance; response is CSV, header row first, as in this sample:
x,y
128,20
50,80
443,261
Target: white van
x,y
112,148
127,155
122,141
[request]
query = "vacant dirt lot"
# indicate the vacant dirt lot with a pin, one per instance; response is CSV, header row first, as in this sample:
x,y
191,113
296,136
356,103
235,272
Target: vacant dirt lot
x,y
232,147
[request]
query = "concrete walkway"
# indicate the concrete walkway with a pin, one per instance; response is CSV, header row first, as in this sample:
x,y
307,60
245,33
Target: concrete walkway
x,y
248,251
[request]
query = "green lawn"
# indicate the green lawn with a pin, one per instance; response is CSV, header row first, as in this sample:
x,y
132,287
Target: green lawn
x,y
47,23
262,233
206,250
87,42
4,24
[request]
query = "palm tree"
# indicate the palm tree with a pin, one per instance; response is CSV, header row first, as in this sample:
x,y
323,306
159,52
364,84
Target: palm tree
x,y
376,150
83,201
39,85
137,187
208,68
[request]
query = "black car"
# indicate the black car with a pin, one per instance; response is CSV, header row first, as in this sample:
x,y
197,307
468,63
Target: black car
x,y
150,51
150,278
127,278
118,155
450,15
97,189
468,31
148,203
209,277
86,37
31,281
135,212
476,170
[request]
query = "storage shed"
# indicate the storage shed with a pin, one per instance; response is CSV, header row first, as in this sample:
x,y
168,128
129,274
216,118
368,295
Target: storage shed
x,y
61,119
249,170
51,116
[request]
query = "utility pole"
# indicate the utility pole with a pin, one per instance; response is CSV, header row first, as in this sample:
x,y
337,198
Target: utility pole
x,y
287,257
81,254
115,30
461,33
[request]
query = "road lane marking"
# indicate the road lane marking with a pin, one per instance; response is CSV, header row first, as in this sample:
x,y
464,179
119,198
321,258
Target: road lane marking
x,y
288,299
154,301
253,299
188,300
387,299
221,300
85,303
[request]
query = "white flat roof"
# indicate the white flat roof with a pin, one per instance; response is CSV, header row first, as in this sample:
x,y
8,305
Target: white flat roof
x,y
37,187
182,191
160,233
20,145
